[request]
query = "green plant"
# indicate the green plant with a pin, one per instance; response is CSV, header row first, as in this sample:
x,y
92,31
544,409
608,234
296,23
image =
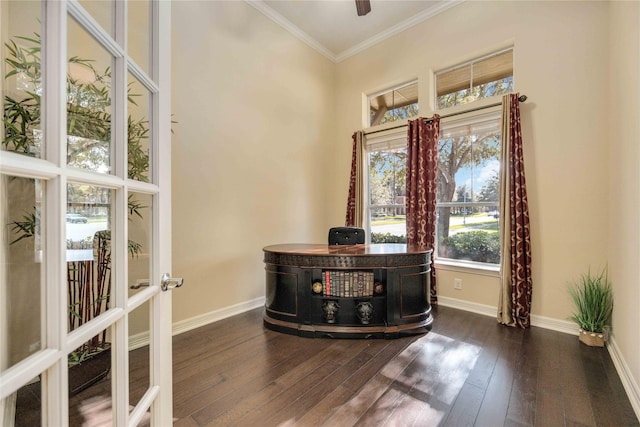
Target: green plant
x,y
476,245
28,227
593,299
387,238
81,355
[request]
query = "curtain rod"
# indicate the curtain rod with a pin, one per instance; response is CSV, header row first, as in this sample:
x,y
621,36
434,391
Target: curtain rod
x,y
521,98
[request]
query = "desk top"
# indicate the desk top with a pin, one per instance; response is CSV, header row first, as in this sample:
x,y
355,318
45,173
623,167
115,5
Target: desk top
x,y
349,250
383,255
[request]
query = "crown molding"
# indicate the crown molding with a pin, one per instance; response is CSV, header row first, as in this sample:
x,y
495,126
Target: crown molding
x,y
314,44
292,28
397,29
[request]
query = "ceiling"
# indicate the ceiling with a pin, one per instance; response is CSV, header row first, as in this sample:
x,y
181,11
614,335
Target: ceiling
x,y
333,28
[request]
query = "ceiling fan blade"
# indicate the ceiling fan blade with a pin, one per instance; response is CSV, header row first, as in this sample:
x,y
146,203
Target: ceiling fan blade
x,y
363,7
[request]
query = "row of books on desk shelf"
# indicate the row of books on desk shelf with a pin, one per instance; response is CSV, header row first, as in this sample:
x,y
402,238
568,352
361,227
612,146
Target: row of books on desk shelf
x,y
347,283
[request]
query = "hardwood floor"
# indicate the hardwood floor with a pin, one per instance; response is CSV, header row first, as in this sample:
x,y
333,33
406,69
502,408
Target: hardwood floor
x,y
467,371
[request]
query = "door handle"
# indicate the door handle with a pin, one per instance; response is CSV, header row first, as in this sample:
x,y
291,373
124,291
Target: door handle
x,y
167,282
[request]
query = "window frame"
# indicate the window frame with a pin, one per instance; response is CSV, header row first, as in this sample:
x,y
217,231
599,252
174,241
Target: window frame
x,y
384,91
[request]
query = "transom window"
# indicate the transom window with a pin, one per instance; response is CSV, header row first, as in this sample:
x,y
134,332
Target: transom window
x,y
479,78
398,103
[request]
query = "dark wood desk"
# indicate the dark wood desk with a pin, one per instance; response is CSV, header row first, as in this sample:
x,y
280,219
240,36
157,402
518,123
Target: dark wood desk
x,y
358,291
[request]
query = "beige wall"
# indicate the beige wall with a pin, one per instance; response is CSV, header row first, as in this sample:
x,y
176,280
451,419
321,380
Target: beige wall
x,y
255,113
624,182
559,48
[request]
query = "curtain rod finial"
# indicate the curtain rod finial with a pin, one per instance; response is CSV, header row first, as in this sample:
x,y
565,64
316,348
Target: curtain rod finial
x,y
522,98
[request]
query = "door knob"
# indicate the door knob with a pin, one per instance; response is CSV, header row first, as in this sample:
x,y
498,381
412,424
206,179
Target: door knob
x,y
167,282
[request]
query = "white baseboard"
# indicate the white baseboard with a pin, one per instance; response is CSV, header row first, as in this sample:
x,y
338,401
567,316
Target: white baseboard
x,y
138,340
564,326
628,382
214,316
474,307
142,339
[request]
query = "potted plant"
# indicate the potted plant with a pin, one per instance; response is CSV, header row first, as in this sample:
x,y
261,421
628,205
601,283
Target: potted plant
x,y
88,121
593,299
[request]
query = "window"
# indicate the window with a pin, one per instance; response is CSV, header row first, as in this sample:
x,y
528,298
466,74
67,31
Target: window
x,y
468,195
480,78
399,103
468,199
387,189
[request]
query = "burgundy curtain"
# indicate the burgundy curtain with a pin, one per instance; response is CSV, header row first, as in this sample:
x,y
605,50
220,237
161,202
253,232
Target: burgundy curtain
x,y
355,203
514,308
422,168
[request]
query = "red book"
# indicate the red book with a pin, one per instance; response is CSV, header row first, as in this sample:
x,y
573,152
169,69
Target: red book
x,y
327,276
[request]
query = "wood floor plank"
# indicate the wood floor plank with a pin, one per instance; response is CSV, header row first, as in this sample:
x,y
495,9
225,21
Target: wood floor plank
x,y
549,410
351,411
440,380
377,362
214,370
305,397
605,409
227,412
522,403
278,406
397,404
351,362
575,388
493,409
466,407
221,397
325,408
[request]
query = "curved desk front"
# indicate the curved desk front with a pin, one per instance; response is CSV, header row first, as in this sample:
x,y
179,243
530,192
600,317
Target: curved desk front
x,y
359,291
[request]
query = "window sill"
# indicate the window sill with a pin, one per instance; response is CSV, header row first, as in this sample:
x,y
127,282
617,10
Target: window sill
x,y
468,267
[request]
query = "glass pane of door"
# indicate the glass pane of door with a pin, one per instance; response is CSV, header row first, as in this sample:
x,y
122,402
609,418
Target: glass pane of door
x,y
140,232
88,102
101,11
89,261
27,404
139,33
22,83
139,355
21,284
138,135
90,399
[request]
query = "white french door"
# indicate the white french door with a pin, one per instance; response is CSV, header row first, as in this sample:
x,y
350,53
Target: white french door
x,y
85,231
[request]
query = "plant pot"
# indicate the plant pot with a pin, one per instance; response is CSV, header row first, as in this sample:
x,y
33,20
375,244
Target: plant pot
x,y
593,339
89,372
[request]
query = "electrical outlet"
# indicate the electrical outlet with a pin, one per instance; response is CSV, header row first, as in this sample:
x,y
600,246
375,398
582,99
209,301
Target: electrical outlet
x,y
457,284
